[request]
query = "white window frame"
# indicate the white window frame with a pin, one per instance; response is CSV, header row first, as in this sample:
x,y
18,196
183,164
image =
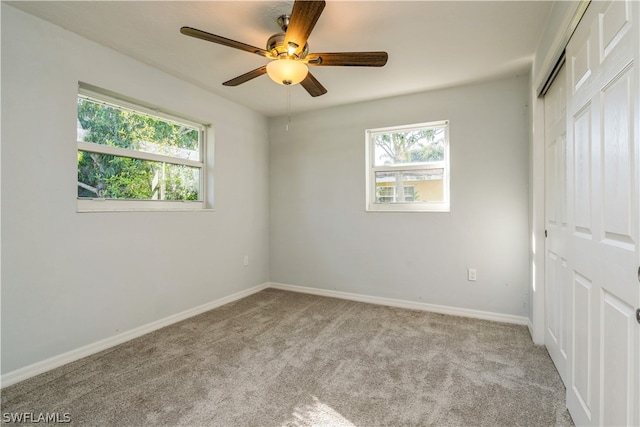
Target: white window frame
x,y
371,169
101,204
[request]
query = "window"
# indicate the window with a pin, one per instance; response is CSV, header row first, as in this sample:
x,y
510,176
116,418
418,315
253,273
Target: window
x,y
132,156
408,168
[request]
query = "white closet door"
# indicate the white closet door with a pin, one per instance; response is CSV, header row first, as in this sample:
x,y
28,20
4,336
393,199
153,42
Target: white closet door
x,y
556,271
603,216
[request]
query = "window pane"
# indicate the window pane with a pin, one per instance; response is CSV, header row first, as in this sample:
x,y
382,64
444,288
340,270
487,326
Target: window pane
x,y
108,125
114,177
410,146
410,186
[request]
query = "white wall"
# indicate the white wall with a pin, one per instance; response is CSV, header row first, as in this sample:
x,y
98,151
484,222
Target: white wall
x,y
321,236
70,279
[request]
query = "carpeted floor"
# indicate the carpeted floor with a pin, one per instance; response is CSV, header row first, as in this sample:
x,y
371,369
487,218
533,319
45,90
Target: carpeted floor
x,y
279,358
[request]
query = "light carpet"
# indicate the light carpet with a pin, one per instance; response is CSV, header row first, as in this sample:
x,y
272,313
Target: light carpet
x,y
280,358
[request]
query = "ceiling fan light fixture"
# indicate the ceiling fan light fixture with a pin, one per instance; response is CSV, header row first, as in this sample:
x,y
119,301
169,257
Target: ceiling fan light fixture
x,y
287,71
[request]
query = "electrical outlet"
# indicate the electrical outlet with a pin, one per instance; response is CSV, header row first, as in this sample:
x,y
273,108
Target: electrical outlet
x,y
472,275
246,260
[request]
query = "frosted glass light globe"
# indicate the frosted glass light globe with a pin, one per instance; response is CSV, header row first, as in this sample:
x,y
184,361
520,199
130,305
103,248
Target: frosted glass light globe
x,y
287,71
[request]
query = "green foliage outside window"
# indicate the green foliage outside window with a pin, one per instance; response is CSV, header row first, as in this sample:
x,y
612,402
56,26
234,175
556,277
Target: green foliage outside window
x,y
119,177
414,146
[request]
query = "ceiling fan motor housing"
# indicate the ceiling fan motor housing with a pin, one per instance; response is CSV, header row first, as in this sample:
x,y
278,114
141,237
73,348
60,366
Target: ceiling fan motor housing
x,y
275,44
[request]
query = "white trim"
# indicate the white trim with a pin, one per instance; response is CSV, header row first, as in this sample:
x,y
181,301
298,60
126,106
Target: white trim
x,y
409,207
411,305
401,167
136,154
124,205
120,101
555,52
71,356
425,125
537,211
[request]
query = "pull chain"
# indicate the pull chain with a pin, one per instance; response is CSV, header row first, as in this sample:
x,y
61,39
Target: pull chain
x,y
288,107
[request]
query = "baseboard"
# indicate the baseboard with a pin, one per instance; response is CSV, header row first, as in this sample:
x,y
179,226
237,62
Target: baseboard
x,y
530,326
442,309
37,368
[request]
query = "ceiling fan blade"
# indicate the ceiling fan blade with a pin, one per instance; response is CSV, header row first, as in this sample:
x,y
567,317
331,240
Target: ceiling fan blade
x,y
313,86
203,35
349,59
247,76
304,16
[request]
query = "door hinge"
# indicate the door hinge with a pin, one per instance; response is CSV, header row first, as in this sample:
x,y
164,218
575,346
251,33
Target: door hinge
x,y
638,315
545,235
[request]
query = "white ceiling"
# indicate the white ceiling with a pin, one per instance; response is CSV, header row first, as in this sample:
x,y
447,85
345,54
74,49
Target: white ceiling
x,y
431,44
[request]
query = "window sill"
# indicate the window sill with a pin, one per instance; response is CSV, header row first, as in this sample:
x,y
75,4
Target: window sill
x,y
142,210
409,208
102,205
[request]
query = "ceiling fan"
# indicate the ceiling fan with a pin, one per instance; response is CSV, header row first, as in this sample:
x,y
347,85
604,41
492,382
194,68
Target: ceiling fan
x,y
289,51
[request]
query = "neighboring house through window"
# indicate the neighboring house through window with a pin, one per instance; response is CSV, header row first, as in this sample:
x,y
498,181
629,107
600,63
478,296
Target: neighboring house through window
x,y
388,194
408,168
134,156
